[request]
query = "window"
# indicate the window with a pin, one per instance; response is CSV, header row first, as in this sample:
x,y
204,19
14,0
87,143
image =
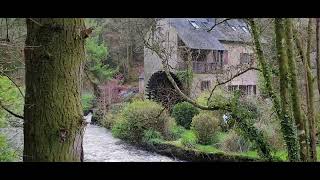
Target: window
x,y
205,85
218,56
244,29
246,58
244,89
233,27
205,25
194,24
233,88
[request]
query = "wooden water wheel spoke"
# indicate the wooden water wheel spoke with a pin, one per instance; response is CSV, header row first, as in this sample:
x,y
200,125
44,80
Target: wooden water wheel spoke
x,y
160,89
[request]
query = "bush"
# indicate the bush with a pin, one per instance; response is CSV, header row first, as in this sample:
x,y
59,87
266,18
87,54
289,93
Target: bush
x,y
139,116
151,136
183,113
11,98
87,101
113,115
273,134
205,125
234,143
175,132
218,98
6,153
189,139
218,137
121,129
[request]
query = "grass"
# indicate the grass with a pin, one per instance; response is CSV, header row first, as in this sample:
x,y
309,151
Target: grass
x,y
189,135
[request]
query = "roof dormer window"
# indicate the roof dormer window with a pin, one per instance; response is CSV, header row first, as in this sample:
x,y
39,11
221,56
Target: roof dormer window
x,y
244,29
194,24
234,28
205,24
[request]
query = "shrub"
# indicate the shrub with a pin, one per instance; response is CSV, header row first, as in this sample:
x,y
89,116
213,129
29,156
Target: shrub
x,y
205,125
174,131
151,136
189,139
218,98
235,143
273,134
183,113
139,116
218,137
113,115
11,98
109,120
120,129
6,153
87,101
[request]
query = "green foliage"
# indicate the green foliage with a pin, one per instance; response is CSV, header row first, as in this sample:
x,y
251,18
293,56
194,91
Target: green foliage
x,y
183,113
185,77
6,153
243,118
97,52
87,101
120,129
151,136
175,132
235,143
139,116
272,132
113,115
219,98
205,125
11,98
189,139
218,138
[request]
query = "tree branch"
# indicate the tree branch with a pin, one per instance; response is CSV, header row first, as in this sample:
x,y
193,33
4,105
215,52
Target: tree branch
x,y
216,24
13,83
165,57
10,112
230,79
36,22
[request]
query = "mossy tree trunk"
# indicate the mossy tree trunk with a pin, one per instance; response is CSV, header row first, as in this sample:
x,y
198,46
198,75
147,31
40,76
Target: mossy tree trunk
x,y
318,51
311,115
287,124
189,74
53,117
295,92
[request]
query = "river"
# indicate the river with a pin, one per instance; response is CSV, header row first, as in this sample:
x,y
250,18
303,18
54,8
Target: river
x,y
99,146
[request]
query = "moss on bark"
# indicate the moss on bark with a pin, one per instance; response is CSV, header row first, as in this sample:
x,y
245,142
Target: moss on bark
x,y
53,117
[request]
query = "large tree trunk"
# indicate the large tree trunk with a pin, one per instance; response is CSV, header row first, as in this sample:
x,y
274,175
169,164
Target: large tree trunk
x,y
286,126
318,51
289,133
311,116
295,92
53,126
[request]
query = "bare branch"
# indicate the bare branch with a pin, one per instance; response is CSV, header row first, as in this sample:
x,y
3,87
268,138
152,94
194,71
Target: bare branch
x,y
216,24
36,22
230,79
13,83
10,112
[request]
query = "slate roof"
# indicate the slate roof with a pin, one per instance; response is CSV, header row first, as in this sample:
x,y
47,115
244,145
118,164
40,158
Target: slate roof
x,y
200,38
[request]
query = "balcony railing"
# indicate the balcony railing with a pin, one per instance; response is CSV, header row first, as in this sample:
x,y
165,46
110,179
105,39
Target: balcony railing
x,y
205,67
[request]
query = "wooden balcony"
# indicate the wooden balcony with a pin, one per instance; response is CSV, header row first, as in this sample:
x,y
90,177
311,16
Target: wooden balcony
x,y
206,68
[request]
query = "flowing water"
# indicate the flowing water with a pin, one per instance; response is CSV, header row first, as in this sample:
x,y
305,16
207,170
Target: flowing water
x,y
99,146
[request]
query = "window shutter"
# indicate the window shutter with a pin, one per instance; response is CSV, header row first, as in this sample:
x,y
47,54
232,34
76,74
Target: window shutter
x,y
225,57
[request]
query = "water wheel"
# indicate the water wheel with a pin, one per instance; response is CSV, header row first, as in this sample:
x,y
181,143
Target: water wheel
x,y
160,89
